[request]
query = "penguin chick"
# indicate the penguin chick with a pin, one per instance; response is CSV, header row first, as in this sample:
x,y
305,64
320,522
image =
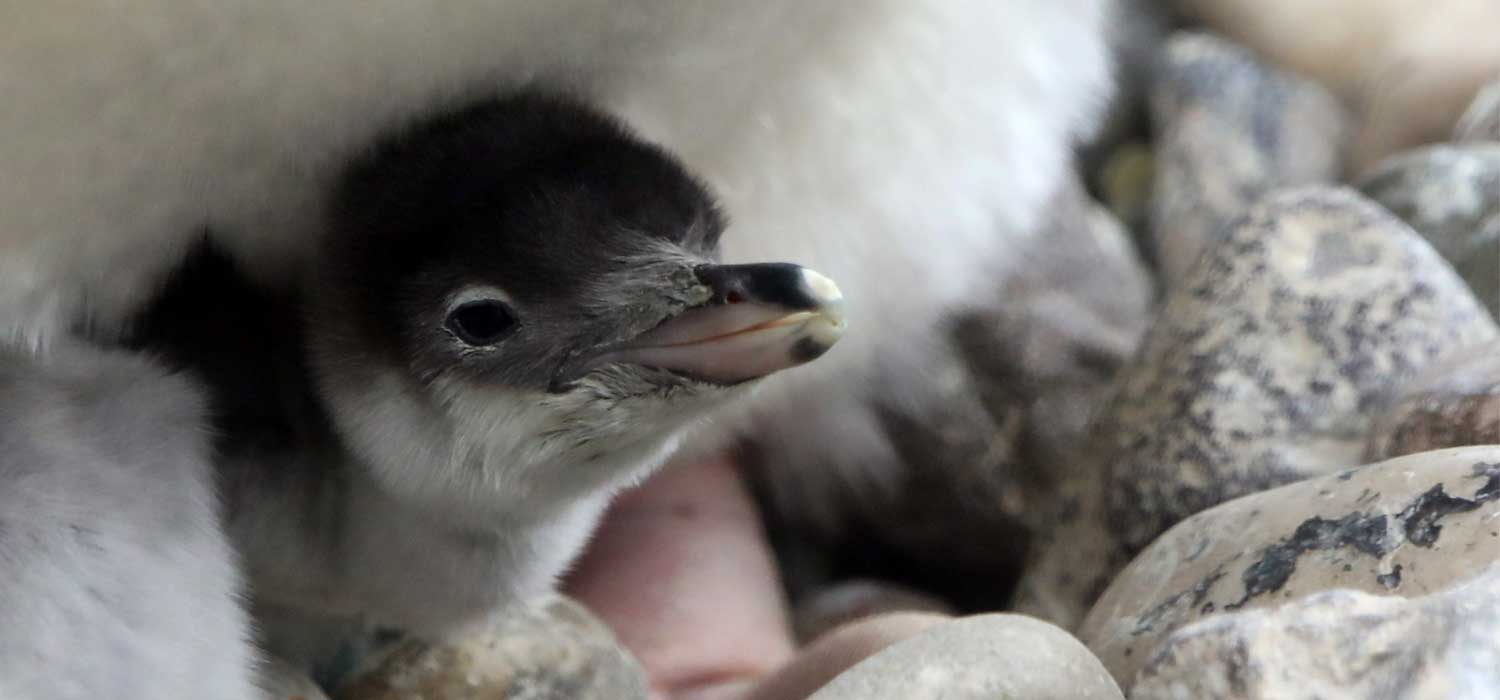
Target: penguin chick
x,y
515,312
906,148
115,578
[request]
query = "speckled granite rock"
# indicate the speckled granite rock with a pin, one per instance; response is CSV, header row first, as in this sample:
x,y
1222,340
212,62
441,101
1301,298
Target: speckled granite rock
x,y
1409,526
1451,195
1265,366
1270,361
557,650
1229,129
1453,404
1481,121
978,658
278,680
848,601
1339,644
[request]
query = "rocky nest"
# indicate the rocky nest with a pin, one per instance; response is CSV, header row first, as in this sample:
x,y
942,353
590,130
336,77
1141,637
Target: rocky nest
x,y
1232,433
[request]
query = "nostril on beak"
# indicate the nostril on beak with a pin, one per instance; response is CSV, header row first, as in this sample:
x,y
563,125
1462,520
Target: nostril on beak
x,y
772,284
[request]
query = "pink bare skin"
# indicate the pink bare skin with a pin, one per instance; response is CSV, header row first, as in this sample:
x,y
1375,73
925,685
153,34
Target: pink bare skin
x,y
681,571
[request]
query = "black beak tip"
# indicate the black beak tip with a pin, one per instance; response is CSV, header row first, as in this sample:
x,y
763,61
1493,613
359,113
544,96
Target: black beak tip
x,y
776,284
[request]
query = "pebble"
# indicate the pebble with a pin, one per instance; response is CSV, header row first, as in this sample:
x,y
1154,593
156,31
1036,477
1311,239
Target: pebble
x,y
1339,644
978,658
556,649
1409,526
1451,195
1229,130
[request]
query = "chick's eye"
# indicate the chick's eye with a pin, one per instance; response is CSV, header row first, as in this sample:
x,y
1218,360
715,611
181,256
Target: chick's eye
x,y
484,322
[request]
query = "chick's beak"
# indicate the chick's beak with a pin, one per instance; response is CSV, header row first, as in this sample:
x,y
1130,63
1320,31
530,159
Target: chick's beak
x,y
760,319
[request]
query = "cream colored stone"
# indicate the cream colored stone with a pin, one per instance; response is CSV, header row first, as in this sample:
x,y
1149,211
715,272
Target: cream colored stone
x,y
1409,526
1409,68
978,658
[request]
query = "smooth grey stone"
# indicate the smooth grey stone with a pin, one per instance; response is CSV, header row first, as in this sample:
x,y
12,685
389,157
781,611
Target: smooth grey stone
x,y
1230,129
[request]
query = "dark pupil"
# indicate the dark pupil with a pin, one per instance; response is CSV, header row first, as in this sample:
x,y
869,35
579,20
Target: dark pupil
x,y
480,322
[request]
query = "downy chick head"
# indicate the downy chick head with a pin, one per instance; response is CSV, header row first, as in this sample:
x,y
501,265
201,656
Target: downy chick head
x,y
518,304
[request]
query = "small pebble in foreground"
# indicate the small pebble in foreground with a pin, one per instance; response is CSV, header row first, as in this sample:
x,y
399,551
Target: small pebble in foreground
x,y
554,650
979,658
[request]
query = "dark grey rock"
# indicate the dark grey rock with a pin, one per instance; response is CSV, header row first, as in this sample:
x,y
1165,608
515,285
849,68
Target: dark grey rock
x,y
1481,121
1410,526
1453,404
1230,129
1067,320
978,658
1339,644
1451,195
984,463
556,649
